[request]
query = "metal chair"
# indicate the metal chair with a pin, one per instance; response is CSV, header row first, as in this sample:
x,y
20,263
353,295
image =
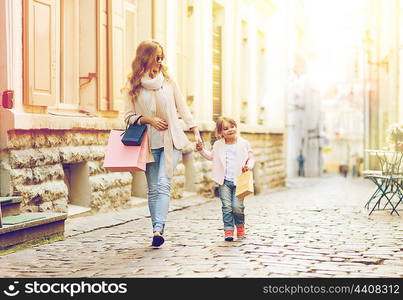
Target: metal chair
x,y
388,180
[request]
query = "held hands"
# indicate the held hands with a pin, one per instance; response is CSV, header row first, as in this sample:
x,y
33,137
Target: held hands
x,y
199,147
199,141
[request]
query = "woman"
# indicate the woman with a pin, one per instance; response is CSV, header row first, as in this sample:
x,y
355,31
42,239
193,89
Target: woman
x,y
155,99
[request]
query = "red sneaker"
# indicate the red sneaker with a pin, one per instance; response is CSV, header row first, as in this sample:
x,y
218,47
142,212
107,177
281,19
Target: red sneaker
x,y
240,231
229,235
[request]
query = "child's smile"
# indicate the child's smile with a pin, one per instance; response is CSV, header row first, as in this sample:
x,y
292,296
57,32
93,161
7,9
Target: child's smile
x,y
229,132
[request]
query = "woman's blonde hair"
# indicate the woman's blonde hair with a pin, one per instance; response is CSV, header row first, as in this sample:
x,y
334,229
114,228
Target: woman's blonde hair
x,y
220,121
145,54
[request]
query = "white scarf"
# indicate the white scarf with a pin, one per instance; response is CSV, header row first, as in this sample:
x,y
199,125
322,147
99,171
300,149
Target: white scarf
x,y
159,99
153,83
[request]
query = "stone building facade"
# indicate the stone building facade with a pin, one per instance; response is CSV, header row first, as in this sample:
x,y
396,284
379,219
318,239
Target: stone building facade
x,y
53,138
51,169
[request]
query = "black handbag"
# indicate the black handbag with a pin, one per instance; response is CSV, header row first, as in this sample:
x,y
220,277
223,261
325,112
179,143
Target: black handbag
x,y
134,133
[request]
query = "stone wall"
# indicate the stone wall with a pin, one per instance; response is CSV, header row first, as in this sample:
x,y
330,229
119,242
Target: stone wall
x,y
51,169
202,169
36,162
269,171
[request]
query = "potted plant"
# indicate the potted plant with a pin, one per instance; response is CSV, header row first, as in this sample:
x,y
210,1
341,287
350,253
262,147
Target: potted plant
x,y
394,136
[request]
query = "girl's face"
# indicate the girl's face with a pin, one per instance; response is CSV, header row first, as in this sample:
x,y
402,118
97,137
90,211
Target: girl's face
x,y
156,62
229,131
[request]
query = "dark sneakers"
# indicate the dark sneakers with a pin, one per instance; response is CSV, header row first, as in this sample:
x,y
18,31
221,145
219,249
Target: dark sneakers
x,y
158,240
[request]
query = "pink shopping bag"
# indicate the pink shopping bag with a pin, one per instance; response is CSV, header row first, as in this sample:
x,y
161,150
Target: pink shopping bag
x,y
121,158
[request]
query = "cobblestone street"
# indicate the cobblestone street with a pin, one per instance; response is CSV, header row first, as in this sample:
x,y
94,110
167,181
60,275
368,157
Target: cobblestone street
x,y
316,227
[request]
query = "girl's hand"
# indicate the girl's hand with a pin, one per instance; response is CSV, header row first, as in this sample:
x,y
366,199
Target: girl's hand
x,y
159,124
245,169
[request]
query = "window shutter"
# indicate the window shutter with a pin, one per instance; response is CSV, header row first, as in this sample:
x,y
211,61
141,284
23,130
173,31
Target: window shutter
x,y
88,55
123,47
40,52
181,57
117,46
104,93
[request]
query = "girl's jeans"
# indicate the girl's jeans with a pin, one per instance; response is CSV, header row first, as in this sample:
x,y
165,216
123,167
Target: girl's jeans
x,y
232,206
159,187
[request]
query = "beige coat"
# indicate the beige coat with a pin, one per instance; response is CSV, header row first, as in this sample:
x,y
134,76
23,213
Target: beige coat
x,y
175,104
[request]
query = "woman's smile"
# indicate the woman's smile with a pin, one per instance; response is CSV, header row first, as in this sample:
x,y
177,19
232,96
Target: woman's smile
x,y
156,70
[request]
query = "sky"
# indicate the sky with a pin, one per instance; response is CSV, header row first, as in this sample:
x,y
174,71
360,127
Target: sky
x,y
335,30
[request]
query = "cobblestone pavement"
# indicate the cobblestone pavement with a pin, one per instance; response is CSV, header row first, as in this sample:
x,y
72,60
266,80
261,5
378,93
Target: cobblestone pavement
x,y
316,227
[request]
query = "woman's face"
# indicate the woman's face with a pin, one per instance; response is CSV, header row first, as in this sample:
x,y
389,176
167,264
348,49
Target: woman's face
x,y
156,63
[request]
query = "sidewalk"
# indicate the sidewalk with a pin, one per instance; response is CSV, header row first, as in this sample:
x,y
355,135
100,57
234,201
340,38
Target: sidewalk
x,y
89,222
317,228
86,223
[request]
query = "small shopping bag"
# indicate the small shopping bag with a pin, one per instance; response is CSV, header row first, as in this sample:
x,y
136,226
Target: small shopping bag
x,y
122,158
244,184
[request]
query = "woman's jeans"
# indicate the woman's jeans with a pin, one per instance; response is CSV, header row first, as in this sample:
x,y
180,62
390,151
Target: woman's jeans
x,y
159,187
232,206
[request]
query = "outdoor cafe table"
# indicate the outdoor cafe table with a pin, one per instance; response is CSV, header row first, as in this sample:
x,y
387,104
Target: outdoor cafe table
x,y
388,180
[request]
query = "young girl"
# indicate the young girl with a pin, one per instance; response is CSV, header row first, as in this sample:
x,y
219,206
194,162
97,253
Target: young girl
x,y
231,155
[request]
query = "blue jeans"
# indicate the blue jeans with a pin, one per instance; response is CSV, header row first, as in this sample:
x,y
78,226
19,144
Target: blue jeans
x,y
159,187
232,206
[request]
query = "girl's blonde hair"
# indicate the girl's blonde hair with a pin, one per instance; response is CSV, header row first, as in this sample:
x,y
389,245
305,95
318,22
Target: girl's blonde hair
x,y
220,121
145,54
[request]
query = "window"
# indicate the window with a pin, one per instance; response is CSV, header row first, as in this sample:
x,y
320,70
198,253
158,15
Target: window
x,y
77,53
181,51
217,61
40,58
260,76
245,62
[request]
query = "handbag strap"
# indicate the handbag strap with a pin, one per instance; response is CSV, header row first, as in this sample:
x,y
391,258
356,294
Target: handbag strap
x,y
128,123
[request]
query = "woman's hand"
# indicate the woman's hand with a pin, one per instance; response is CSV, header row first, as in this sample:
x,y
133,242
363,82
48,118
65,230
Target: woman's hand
x,y
159,123
198,139
245,169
